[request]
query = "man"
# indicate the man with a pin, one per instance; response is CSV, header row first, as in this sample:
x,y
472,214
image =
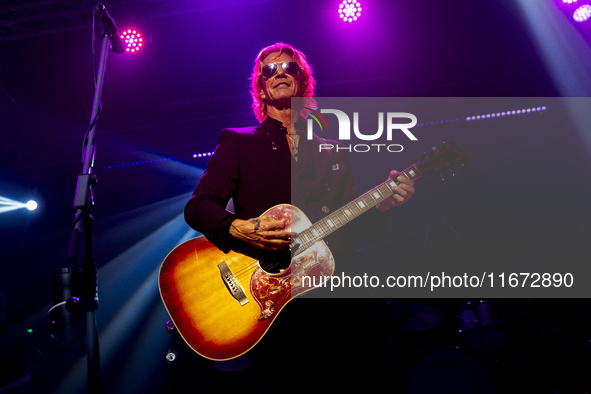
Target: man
x,y
254,166
260,167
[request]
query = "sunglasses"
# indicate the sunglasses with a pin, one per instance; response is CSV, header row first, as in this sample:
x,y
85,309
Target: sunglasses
x,y
292,68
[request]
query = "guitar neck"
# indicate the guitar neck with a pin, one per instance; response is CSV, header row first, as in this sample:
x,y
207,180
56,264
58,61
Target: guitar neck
x,y
347,213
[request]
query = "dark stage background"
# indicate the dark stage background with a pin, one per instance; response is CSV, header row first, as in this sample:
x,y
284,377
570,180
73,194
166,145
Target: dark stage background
x,y
170,100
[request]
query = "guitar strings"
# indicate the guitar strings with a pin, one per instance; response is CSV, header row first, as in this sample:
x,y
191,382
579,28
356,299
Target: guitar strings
x,y
369,200
244,270
323,228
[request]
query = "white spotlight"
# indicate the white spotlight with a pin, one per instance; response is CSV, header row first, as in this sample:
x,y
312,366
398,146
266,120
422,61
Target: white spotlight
x,y
7,204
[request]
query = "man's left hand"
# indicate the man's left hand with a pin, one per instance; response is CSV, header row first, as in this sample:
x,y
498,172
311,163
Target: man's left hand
x,y
402,192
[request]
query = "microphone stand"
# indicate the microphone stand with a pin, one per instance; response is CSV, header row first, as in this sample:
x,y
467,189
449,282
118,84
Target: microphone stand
x,y
83,222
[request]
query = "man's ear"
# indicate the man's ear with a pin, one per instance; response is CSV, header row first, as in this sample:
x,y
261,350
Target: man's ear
x,y
262,95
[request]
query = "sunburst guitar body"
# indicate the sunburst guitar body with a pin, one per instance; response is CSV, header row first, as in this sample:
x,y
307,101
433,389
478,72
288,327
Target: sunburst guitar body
x,y
222,304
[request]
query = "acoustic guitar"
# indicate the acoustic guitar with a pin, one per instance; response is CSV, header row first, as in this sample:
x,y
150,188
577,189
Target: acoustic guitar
x,y
222,304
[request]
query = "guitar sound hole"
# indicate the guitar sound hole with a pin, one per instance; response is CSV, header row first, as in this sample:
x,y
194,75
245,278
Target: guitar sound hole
x,y
274,262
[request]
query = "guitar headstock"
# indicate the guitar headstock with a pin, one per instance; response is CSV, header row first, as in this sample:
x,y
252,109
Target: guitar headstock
x,y
439,160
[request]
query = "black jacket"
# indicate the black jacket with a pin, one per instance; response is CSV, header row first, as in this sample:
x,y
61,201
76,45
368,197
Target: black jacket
x,y
253,167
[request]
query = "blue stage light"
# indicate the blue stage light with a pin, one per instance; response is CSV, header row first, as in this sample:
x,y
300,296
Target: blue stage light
x,y
7,204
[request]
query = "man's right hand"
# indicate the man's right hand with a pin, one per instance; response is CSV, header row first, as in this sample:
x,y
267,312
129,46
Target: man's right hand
x,y
261,232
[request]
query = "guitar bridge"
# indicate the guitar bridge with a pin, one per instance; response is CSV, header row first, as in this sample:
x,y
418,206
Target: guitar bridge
x,y
232,284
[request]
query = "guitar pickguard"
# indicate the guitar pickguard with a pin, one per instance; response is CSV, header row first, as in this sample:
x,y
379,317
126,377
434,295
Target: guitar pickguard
x,y
309,269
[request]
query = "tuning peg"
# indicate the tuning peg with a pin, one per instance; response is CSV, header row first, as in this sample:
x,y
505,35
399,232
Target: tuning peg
x,y
442,177
452,173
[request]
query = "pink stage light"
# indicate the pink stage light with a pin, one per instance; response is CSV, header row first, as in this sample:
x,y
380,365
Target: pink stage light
x,y
349,10
569,1
133,40
582,13
200,155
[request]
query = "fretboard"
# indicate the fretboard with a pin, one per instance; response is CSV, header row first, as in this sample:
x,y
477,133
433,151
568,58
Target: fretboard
x,y
347,213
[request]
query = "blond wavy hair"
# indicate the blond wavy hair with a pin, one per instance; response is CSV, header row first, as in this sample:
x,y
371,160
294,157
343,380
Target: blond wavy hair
x,y
306,80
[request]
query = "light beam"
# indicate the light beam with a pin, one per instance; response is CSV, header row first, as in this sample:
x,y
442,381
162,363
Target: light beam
x,y
564,51
7,204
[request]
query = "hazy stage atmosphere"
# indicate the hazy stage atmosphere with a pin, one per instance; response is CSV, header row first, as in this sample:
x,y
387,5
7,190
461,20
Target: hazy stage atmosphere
x,y
519,68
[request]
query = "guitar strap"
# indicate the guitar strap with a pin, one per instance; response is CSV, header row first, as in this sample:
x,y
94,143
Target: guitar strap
x,y
323,140
333,166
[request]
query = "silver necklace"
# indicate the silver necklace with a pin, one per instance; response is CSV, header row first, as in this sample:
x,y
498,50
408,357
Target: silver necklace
x,y
294,139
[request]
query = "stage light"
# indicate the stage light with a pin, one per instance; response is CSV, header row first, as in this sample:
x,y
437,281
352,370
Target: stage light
x,y
438,122
349,10
7,204
137,163
522,111
561,44
200,155
133,40
569,1
582,13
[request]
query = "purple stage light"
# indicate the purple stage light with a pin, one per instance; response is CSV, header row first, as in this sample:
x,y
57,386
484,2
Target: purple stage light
x,y
438,122
582,13
349,10
137,163
569,1
200,155
506,113
133,40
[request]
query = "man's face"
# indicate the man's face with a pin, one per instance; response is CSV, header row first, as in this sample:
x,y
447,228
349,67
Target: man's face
x,y
281,86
